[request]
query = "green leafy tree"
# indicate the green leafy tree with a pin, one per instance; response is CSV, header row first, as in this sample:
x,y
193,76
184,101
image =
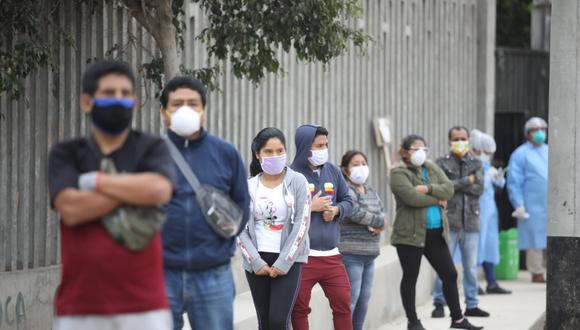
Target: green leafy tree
x,y
24,45
513,23
247,34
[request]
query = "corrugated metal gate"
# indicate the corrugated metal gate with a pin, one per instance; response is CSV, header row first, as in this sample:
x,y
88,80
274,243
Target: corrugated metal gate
x,y
522,91
522,81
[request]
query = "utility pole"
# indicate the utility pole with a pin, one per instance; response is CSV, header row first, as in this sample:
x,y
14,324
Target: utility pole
x,y
563,296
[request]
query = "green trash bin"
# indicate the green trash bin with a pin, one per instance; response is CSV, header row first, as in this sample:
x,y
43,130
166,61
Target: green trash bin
x,y
509,255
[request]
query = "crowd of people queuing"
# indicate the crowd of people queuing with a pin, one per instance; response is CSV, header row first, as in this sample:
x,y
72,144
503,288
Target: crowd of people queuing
x,y
149,224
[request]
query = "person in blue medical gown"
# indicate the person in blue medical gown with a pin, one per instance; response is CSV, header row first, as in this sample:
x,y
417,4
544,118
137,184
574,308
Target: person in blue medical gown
x,y
527,183
483,146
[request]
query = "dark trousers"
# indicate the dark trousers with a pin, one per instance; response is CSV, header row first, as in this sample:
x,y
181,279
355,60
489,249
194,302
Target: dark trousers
x,y
274,297
330,273
489,270
437,253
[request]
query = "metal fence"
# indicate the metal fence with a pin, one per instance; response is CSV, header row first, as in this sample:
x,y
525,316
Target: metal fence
x,y
420,71
522,81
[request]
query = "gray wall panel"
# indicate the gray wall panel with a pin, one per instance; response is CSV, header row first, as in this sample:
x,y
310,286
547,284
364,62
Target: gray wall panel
x,y
420,71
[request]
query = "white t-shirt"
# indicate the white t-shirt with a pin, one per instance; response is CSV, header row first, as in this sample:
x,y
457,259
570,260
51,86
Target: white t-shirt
x,y
329,253
270,212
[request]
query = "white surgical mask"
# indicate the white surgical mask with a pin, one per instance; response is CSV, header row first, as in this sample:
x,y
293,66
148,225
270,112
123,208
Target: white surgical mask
x,y
185,121
319,157
418,157
359,174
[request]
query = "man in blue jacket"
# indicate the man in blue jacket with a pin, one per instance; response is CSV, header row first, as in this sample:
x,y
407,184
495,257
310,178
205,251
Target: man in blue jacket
x,y
198,277
331,202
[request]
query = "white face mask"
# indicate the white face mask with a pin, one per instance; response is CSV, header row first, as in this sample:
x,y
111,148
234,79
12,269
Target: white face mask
x,y
319,157
185,121
418,157
359,174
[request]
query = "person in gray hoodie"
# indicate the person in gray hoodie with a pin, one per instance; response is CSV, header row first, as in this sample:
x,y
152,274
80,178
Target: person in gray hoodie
x,y
360,234
331,203
275,241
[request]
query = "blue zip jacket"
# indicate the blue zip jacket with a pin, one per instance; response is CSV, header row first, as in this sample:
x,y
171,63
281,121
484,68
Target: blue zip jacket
x,y
323,235
189,243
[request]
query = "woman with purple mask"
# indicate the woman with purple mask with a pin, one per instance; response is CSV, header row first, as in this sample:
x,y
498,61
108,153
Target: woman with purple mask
x,y
275,242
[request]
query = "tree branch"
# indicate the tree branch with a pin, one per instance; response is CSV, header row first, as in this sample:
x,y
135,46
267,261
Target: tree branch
x,y
138,9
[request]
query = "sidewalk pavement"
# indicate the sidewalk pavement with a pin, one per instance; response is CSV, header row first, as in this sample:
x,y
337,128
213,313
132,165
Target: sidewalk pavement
x,y
518,311
385,305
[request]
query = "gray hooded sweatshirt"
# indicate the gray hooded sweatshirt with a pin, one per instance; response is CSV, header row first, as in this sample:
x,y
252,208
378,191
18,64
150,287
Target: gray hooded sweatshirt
x,y
294,246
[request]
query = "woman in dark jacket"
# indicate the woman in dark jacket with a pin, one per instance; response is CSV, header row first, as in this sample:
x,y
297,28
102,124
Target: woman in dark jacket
x,y
421,192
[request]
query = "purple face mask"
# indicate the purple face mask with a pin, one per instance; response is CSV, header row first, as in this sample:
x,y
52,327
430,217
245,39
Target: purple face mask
x,y
273,165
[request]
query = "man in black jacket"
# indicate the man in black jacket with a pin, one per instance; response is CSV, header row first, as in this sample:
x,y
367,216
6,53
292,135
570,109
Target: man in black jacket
x,y
466,173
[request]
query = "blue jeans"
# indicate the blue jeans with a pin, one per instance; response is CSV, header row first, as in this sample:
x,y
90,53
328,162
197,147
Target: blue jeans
x,y
207,296
361,272
467,244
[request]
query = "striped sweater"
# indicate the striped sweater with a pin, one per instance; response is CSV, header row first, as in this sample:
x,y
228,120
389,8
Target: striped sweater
x,y
368,210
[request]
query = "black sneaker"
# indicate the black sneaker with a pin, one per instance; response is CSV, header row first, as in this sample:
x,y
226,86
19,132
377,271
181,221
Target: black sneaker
x,y
496,289
480,291
415,325
464,324
476,312
438,312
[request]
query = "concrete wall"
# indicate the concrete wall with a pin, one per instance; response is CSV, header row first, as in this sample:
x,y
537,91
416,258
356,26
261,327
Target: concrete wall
x,y
486,18
26,298
540,25
420,71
